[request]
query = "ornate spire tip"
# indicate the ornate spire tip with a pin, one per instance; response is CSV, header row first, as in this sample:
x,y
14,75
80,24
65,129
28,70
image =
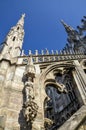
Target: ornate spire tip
x,y
23,15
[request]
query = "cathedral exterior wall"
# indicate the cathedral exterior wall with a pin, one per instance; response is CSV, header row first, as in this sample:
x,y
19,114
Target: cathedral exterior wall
x,y
42,91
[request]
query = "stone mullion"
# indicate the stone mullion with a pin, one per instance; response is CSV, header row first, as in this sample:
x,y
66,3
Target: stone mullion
x,y
80,82
82,76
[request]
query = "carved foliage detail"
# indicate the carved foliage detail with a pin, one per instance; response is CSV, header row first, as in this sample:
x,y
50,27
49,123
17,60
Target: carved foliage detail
x,y
30,111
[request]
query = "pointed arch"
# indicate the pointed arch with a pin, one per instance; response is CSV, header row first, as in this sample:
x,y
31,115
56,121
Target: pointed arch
x,y
58,85
54,68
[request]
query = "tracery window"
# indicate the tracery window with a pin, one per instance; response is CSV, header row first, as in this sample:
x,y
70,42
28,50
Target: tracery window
x,y
61,106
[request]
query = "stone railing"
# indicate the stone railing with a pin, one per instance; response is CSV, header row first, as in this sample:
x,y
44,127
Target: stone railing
x,y
53,58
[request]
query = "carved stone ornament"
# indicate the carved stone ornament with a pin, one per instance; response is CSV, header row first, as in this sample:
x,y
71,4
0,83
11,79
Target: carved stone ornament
x,y
30,109
30,71
61,87
29,92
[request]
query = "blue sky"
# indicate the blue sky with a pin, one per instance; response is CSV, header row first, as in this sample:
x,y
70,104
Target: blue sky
x,y
42,22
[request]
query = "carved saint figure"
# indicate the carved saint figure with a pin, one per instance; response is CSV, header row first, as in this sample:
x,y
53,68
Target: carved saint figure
x,y
29,92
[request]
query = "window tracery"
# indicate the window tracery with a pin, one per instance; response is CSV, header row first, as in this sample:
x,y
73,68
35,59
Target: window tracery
x,y
61,106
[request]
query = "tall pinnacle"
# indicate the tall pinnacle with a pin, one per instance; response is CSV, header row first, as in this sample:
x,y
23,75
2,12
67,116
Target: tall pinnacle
x,y
14,39
67,27
73,35
21,20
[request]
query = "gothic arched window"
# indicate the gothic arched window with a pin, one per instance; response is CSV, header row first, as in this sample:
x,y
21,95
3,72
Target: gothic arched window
x,y
60,106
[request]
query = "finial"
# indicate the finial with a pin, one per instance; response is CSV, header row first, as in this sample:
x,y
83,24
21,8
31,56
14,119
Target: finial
x,y
21,20
60,51
36,52
52,52
47,52
30,52
23,15
42,51
57,52
67,27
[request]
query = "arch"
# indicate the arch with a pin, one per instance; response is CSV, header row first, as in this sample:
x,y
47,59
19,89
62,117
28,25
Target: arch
x,y
61,102
55,68
60,87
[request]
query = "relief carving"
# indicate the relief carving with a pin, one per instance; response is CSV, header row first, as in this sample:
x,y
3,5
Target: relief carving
x,y
30,111
29,91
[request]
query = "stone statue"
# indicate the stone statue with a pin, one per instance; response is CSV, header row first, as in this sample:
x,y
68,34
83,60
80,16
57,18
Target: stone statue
x,y
30,108
29,91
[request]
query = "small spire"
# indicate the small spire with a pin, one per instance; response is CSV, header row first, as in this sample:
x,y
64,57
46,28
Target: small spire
x,y
21,20
23,15
36,52
52,52
47,52
56,52
60,51
30,52
67,27
42,52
